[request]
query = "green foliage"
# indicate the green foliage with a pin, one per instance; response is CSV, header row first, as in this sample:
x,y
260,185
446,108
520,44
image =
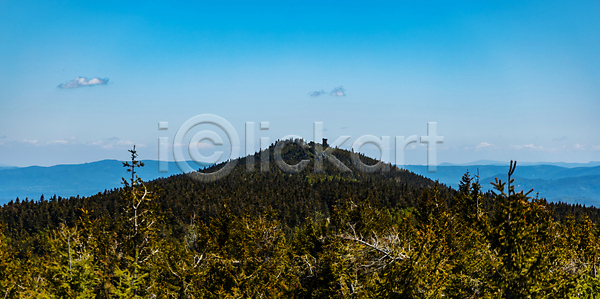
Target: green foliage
x,y
72,272
309,235
8,267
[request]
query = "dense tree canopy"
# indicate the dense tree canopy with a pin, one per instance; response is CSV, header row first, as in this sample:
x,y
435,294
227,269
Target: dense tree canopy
x,y
279,235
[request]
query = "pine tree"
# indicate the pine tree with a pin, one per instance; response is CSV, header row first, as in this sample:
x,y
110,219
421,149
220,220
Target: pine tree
x,y
525,238
138,233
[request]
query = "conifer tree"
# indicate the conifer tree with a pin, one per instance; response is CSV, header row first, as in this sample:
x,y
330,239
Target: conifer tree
x,y
138,234
524,237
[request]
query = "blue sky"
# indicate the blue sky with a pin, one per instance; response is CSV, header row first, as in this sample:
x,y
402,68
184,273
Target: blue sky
x,y
503,80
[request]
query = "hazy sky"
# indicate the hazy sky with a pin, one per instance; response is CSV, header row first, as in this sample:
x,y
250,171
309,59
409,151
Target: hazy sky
x,y
507,80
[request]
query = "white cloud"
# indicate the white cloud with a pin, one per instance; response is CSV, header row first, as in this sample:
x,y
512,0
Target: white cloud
x,y
198,145
116,143
596,148
527,146
338,92
205,145
83,81
316,93
125,142
560,149
531,146
578,146
484,145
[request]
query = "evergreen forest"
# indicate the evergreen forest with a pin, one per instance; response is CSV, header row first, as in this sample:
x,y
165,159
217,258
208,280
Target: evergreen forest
x,y
268,233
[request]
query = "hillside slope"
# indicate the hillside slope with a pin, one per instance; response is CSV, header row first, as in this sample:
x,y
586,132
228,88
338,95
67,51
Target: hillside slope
x,y
294,196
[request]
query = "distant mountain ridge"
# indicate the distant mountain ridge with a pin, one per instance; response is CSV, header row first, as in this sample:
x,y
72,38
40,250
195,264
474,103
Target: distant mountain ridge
x,y
71,179
500,163
555,183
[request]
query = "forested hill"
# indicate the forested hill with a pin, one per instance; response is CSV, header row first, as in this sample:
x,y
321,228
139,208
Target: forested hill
x,y
274,234
293,196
